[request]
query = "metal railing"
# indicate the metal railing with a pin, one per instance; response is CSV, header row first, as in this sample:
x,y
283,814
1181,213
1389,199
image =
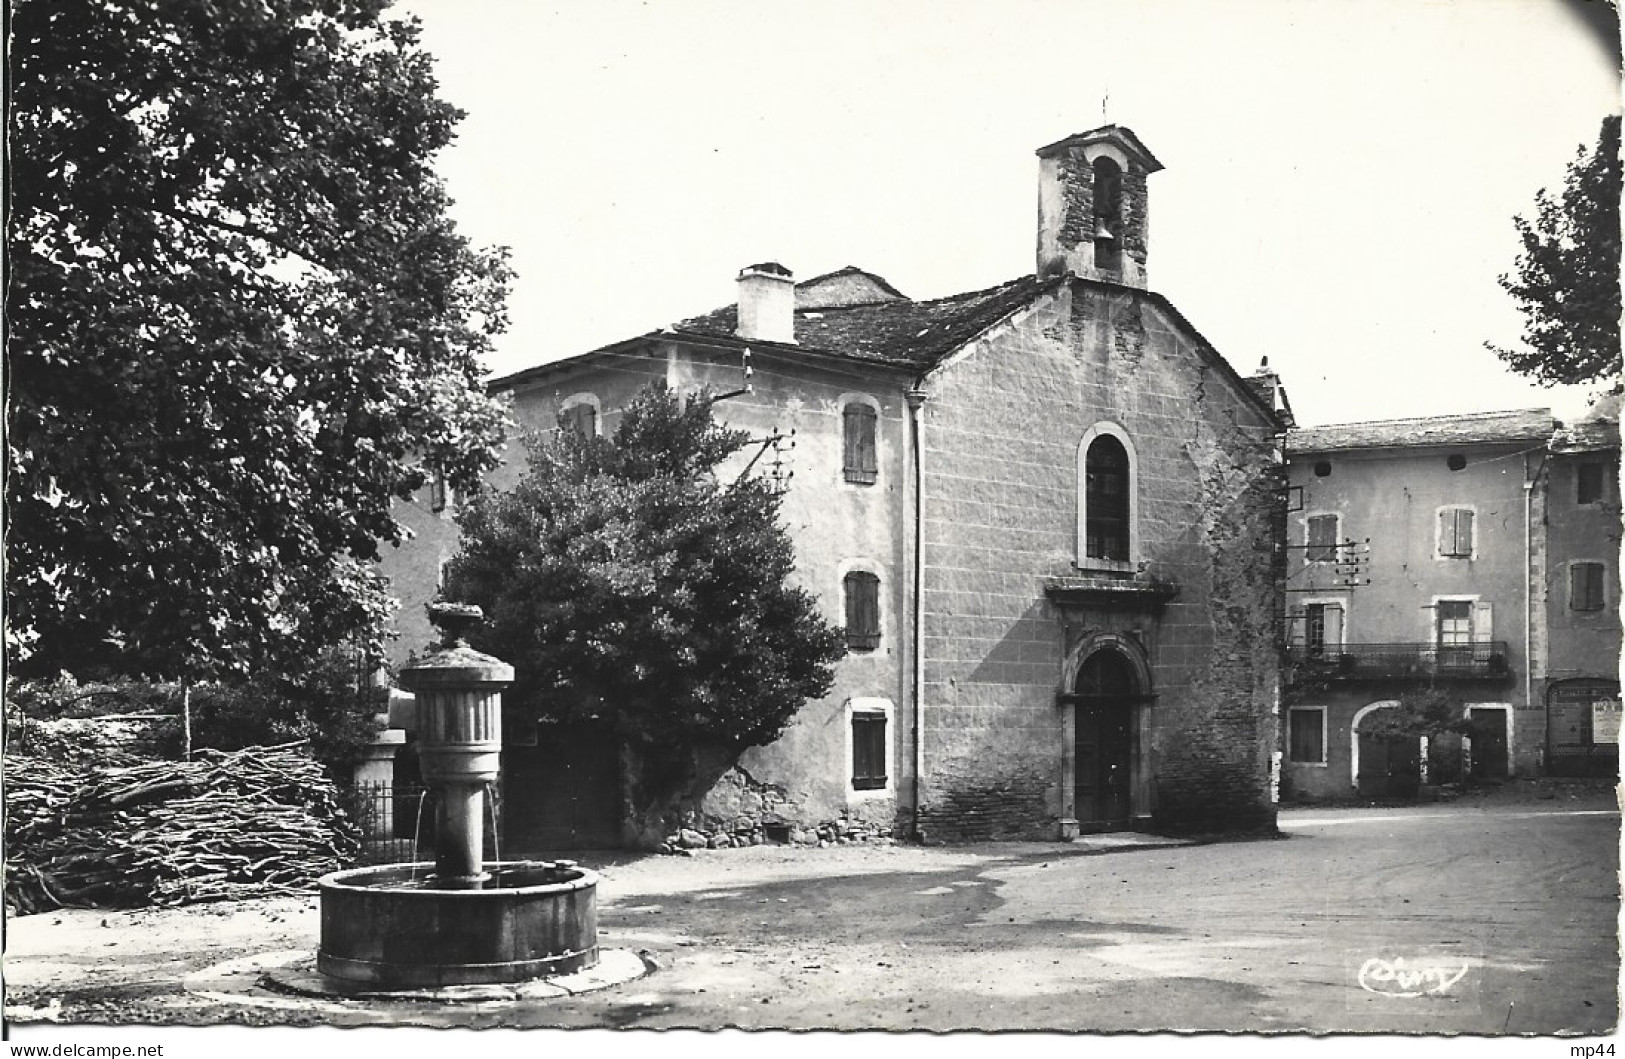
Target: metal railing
x,y
1485,660
397,822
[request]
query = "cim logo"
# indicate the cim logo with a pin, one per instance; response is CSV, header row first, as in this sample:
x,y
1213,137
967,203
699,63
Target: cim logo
x,y
1398,978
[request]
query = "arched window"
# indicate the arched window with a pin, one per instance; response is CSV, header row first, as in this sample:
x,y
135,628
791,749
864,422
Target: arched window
x,y
1106,483
579,413
1108,200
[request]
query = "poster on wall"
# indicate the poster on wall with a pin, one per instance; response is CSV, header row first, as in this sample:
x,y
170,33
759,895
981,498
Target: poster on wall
x,y
1605,720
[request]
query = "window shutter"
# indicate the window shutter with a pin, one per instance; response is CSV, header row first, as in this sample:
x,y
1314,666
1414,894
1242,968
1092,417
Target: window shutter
x,y
1586,586
868,751
581,418
862,611
858,443
1334,628
1456,532
1322,539
1483,622
1297,628
1304,737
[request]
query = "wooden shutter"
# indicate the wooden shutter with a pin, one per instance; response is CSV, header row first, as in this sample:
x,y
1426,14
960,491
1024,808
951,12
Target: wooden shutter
x,y
1483,622
1322,541
1586,586
1297,628
858,443
1304,736
868,751
1456,532
581,418
1333,629
862,611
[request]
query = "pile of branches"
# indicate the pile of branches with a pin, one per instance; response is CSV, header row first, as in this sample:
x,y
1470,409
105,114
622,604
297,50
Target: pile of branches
x,y
224,826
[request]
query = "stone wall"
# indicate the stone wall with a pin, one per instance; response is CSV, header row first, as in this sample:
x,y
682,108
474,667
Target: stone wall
x,y
1003,426
740,810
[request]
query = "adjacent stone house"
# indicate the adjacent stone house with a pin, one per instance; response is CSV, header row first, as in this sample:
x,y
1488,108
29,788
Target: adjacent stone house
x,y
1576,676
1466,555
1048,513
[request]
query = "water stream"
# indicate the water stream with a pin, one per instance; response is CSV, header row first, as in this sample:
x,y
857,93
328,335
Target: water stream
x,y
417,834
491,812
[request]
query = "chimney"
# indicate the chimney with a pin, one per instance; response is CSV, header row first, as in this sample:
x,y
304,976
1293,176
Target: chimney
x,y
767,303
1092,206
1267,384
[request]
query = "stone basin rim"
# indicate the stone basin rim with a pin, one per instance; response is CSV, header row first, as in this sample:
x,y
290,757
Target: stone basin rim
x,y
386,879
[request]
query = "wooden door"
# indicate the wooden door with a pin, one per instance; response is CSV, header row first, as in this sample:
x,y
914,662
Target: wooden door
x,y
1104,754
1390,766
1489,736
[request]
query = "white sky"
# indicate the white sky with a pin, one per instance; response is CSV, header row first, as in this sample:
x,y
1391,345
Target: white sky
x,y
1341,174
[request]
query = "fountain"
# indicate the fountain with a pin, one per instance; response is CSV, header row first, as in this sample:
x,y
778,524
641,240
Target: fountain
x,y
465,921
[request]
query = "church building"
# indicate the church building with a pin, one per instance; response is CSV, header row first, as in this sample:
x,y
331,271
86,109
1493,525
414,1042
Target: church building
x,y
1049,514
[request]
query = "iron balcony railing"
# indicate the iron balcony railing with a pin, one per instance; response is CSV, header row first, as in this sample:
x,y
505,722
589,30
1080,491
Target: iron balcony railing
x,y
1485,660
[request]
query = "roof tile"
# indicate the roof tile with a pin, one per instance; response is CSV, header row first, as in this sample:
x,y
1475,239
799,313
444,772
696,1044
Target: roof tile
x,y
1529,424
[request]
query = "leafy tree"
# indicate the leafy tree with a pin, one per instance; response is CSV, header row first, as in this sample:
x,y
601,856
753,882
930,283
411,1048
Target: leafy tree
x,y
241,322
630,584
1567,282
1421,711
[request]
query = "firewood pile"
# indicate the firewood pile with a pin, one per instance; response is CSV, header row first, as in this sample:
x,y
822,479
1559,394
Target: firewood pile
x,y
224,826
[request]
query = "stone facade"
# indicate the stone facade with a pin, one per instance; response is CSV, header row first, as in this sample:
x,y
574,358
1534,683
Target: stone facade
x,y
1576,685
995,623
1003,426
1486,620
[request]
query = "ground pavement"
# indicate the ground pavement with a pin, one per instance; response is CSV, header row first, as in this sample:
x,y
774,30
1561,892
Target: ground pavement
x,y
1494,914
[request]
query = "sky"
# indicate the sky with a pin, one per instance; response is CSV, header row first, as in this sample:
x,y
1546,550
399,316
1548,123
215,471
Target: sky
x,y
1340,181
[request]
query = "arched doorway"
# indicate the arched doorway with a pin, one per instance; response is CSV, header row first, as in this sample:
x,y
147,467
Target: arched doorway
x,y
1104,695
1384,764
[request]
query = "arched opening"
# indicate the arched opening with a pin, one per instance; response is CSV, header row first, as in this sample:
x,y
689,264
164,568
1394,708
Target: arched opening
x,y
1106,695
1384,764
1106,499
1108,201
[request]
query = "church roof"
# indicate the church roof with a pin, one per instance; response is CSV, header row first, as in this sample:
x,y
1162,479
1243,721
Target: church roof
x,y
898,332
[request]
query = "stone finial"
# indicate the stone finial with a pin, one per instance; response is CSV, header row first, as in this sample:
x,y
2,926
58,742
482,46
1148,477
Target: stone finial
x,y
455,620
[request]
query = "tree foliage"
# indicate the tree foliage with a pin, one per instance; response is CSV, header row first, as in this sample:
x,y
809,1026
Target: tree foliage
x,y
1567,283
629,584
1418,711
241,322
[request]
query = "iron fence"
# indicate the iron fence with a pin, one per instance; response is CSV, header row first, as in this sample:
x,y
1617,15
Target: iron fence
x,y
397,821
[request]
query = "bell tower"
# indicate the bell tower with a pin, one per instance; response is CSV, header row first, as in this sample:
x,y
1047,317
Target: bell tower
x,y
1092,206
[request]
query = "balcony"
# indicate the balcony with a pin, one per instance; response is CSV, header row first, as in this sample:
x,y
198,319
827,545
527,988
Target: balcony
x,y
1486,660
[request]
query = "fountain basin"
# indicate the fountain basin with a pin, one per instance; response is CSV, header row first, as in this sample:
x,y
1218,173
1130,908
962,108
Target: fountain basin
x,y
393,925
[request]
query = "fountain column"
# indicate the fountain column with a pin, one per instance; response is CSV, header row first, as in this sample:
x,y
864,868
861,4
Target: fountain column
x,y
459,708
388,927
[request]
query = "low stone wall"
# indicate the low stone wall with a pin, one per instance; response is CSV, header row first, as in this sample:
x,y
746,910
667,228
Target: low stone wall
x,y
771,832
